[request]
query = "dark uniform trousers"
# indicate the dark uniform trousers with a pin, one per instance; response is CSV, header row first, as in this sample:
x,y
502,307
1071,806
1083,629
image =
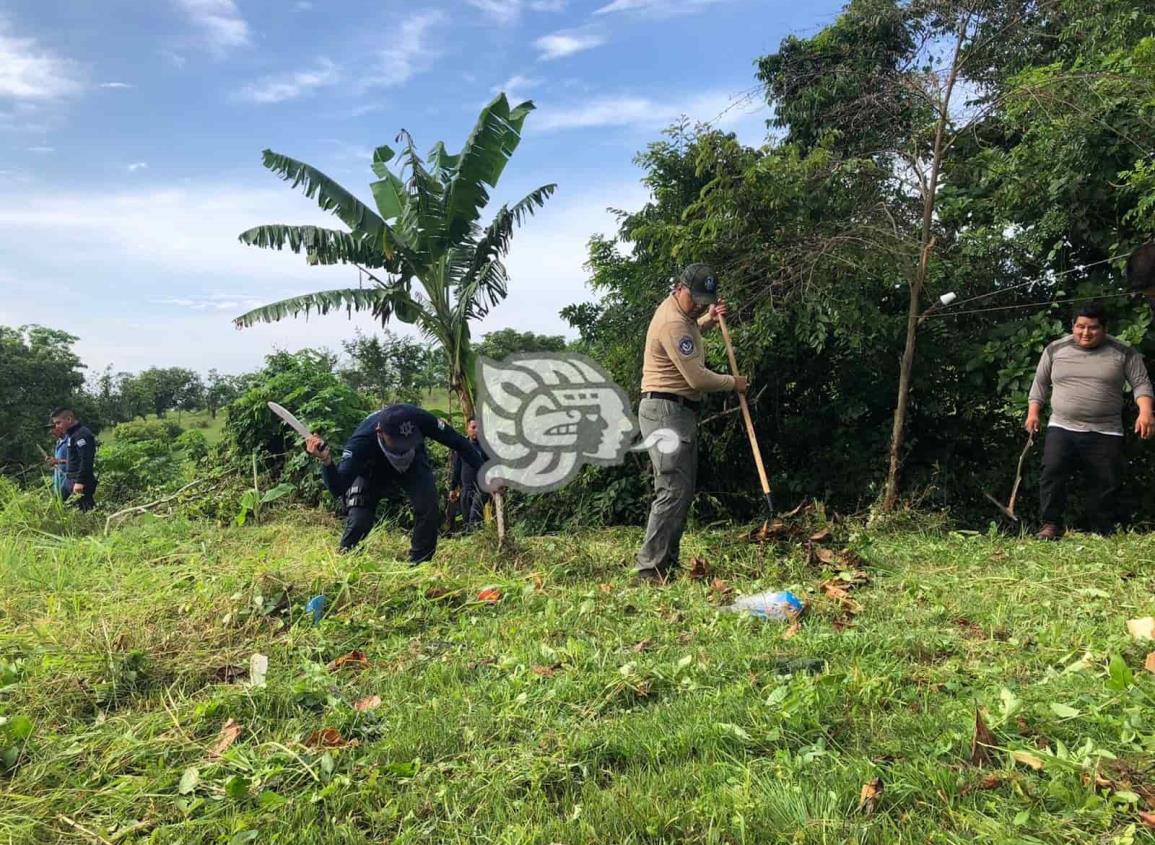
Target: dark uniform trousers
x,y
419,487
1101,457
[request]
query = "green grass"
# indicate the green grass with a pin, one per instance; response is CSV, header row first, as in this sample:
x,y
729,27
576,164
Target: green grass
x,y
579,708
200,421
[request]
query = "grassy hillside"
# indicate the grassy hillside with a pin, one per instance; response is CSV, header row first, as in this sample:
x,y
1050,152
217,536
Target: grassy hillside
x,y
578,707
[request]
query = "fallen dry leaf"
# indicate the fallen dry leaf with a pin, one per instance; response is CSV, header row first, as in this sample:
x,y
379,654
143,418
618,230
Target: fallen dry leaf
x,y
490,595
538,581
1148,819
355,659
1149,663
436,592
803,505
1027,759
699,569
992,781
821,536
833,589
606,588
546,671
792,631
370,702
868,797
827,556
843,622
723,590
326,738
229,734
1142,629
981,741
642,645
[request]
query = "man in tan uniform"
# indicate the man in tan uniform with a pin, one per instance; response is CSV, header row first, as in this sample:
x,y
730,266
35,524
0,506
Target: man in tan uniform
x,y
674,377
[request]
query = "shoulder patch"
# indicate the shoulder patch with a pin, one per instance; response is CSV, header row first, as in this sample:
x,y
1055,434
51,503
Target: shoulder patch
x,y
82,442
686,345
441,424
346,454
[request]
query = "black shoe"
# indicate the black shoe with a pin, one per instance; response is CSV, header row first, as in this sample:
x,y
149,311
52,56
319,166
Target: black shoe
x,y
658,577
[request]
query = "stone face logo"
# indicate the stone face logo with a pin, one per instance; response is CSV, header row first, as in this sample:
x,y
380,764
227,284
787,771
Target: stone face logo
x,y
542,415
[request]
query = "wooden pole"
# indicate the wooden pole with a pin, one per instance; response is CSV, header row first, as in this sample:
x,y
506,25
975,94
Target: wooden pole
x,y
746,416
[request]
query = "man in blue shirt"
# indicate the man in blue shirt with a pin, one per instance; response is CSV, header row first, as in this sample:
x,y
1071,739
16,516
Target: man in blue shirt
x,y
387,451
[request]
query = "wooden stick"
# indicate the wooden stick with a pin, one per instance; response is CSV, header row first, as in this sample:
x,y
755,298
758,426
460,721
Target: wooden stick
x,y
499,512
745,411
1019,473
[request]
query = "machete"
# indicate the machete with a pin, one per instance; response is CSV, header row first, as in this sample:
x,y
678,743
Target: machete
x,y
295,424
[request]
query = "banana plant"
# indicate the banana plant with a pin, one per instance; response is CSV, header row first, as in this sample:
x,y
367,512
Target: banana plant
x,y
430,260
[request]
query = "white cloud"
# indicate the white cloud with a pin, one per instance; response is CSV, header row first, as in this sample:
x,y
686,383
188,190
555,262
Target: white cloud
x,y
656,8
647,113
505,12
41,149
502,11
516,86
290,86
164,263
220,23
31,72
411,51
136,166
116,85
564,43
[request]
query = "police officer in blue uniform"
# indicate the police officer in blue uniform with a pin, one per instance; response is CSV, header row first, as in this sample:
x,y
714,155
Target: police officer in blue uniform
x,y
79,449
386,452
463,484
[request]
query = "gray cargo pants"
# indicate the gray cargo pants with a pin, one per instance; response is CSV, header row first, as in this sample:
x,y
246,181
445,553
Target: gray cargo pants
x,y
674,479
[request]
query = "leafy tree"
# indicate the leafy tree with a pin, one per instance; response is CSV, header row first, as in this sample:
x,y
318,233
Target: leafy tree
x,y
38,370
390,368
504,342
438,267
307,383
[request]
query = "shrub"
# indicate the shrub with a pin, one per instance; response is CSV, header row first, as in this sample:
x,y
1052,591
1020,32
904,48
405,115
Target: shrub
x,y
138,431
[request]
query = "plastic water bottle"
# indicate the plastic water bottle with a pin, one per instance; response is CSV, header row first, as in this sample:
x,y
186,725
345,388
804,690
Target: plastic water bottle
x,y
777,606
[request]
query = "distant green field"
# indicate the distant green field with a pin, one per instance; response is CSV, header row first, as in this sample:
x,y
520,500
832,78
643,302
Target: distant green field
x,y
188,420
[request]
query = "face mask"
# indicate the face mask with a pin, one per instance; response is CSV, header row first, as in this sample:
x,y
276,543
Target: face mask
x,y
400,462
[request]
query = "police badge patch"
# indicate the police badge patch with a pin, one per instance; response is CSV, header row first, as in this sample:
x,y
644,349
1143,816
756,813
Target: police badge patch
x,y
686,345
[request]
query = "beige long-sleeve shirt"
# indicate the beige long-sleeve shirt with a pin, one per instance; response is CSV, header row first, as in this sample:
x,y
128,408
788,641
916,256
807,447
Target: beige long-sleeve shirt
x,y
1088,384
674,359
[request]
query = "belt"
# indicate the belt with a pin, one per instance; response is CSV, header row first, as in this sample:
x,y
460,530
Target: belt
x,y
673,397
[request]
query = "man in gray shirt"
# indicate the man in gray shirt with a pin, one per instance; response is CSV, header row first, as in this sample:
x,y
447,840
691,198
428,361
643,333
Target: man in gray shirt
x,y
1084,374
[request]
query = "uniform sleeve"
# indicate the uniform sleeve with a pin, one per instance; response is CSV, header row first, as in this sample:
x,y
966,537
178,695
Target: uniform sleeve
x,y
1041,386
85,445
1137,375
438,429
455,480
682,350
340,474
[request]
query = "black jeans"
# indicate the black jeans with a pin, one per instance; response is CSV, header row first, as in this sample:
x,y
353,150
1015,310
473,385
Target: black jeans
x,y
473,500
420,488
1101,456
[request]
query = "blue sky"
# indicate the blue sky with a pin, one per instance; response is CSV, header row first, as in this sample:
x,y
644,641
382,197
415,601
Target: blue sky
x,y
131,132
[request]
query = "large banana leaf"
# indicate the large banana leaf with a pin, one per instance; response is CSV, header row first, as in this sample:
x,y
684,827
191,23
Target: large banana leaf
x,y
330,195
486,152
495,240
323,246
380,301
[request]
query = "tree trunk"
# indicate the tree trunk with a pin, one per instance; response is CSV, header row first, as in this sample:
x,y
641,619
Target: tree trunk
x,y
914,312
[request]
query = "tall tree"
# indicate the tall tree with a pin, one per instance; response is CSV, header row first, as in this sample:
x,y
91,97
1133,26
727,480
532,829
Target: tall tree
x,y
430,260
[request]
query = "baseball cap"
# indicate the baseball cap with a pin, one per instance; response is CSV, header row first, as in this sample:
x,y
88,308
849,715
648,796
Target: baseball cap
x,y
703,285
398,424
